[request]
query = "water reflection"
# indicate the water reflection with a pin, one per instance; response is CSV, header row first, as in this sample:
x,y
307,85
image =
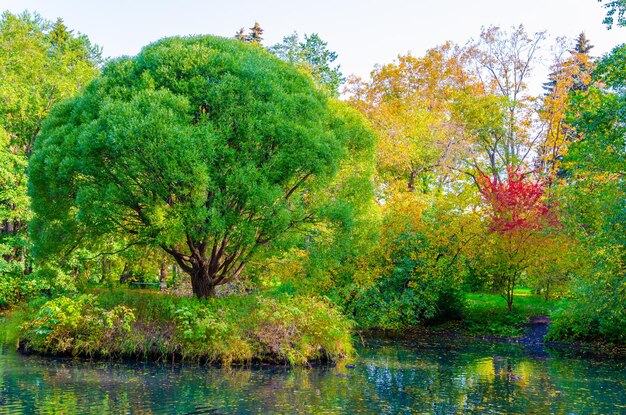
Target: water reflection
x,y
390,378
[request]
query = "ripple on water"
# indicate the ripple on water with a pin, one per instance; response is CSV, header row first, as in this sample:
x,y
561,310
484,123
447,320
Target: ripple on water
x,y
389,378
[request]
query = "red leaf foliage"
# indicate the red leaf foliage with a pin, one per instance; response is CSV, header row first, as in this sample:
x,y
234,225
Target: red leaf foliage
x,y
517,203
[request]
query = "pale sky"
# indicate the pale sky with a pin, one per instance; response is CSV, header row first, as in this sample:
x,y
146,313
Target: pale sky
x,y
362,32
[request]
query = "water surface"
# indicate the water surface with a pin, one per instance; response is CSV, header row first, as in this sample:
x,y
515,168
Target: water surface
x,y
391,377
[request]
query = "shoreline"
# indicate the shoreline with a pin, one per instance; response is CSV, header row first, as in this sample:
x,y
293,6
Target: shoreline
x,y
533,340
580,348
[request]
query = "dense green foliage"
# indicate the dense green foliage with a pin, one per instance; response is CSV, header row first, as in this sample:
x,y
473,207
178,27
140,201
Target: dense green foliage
x,y
231,330
77,325
42,63
595,194
205,147
424,284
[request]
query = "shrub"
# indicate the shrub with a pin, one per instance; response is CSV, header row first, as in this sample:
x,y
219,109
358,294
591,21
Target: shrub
x,y
268,327
596,310
272,329
568,324
78,326
424,284
204,332
16,287
301,328
10,292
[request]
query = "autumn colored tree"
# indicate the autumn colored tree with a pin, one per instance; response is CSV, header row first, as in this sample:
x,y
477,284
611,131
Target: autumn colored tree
x,y
519,221
431,113
516,203
457,109
504,61
571,72
410,103
555,264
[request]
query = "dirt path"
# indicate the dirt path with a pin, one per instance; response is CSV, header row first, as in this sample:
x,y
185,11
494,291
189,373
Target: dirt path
x,y
537,328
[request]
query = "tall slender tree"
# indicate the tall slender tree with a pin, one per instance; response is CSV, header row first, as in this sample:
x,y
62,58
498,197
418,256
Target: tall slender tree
x,y
569,74
254,35
504,63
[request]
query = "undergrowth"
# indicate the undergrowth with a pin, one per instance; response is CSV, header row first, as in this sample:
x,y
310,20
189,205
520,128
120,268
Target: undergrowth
x,y
276,328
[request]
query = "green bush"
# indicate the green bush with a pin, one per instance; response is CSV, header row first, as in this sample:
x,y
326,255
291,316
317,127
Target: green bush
x,y
46,281
206,332
596,310
78,326
52,281
300,328
14,289
591,316
272,329
570,324
424,285
10,292
276,328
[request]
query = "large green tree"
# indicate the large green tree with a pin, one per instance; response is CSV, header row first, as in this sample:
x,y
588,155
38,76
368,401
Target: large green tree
x,y
41,63
203,146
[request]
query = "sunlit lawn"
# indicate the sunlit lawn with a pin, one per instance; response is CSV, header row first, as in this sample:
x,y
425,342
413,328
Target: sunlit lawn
x,y
487,314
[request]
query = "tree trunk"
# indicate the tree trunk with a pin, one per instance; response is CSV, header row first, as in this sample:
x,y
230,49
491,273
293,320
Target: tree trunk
x,y
126,274
209,271
510,290
509,301
163,275
202,284
9,229
105,271
411,184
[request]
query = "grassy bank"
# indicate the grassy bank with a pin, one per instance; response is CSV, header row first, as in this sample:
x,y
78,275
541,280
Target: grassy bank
x,y
487,314
272,328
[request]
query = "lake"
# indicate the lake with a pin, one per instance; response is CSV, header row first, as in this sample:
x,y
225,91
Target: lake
x,y
433,376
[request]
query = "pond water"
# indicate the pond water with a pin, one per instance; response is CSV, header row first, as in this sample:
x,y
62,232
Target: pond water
x,y
390,377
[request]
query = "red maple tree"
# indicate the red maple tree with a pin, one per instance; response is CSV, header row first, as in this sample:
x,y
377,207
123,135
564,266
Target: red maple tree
x,y
516,203
519,225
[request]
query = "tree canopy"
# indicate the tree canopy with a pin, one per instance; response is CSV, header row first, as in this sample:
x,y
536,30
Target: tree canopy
x,y
313,56
203,146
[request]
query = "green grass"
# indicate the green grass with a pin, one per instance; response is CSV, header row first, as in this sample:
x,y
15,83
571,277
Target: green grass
x,y
487,314
10,326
